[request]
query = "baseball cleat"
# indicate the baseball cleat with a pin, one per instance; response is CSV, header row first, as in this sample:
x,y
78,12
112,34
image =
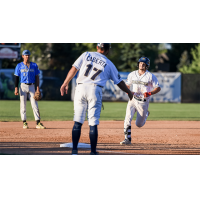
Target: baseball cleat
x,y
125,142
40,126
74,152
25,125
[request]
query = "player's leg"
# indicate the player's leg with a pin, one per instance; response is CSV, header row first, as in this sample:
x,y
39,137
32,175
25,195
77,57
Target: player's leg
x,y
93,139
142,114
76,133
80,107
130,111
35,107
23,99
94,110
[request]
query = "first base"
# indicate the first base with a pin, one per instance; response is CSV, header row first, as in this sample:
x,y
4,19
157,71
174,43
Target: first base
x,y
80,145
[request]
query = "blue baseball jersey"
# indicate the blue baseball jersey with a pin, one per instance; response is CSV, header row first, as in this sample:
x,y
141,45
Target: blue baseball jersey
x,y
27,75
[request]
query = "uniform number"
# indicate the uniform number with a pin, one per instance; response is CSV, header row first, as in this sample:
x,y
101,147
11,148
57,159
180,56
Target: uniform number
x,y
89,67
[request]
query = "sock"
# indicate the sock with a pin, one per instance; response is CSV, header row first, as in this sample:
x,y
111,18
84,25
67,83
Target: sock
x,y
76,133
127,133
93,138
24,121
37,122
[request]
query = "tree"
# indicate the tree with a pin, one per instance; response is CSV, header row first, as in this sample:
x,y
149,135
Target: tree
x,y
63,55
176,51
184,60
194,67
131,52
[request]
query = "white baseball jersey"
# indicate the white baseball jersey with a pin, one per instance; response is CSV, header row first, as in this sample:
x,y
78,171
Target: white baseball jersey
x,y
96,68
141,84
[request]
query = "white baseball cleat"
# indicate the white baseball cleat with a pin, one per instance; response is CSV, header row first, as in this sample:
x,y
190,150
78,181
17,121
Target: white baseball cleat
x,y
125,142
25,125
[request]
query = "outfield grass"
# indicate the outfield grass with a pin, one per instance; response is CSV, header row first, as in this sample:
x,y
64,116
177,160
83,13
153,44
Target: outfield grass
x,y
63,110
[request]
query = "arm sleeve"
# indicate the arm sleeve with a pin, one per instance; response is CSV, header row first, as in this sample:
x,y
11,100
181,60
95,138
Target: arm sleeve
x,y
155,82
16,81
17,71
37,71
78,63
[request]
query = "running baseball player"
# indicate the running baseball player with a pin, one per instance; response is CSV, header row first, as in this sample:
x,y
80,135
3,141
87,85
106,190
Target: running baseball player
x,y
94,71
144,84
28,73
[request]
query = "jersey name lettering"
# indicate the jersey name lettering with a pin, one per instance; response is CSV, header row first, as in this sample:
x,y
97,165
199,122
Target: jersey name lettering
x,y
96,60
24,70
140,82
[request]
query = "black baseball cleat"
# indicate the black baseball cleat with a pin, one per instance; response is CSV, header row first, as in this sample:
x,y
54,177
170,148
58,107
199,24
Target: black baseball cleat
x,y
74,152
92,153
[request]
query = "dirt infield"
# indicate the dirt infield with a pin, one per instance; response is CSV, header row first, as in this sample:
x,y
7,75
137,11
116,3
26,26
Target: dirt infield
x,y
155,138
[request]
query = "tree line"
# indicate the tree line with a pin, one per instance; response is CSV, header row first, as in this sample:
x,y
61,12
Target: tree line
x,y
180,57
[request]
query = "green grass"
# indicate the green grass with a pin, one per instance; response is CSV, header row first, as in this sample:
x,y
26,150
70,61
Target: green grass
x,y
63,110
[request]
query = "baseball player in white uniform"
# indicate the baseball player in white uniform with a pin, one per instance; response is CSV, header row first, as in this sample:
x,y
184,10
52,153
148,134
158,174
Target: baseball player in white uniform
x,y
28,73
144,84
94,71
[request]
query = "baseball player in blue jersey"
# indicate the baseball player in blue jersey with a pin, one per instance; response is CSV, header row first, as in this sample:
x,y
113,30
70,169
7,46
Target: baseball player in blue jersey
x,y
144,84
94,71
28,73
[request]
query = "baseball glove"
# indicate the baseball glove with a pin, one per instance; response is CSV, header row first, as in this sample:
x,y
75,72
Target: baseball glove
x,y
37,96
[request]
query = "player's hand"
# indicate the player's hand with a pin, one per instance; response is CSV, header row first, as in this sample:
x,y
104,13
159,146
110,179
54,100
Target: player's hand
x,y
63,89
147,94
16,91
130,95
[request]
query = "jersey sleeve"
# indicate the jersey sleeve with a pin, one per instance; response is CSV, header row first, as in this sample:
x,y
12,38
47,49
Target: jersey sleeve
x,y
17,70
114,75
129,81
155,82
37,71
78,63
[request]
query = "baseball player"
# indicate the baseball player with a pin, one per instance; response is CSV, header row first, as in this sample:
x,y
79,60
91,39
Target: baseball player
x,y
144,84
28,73
94,71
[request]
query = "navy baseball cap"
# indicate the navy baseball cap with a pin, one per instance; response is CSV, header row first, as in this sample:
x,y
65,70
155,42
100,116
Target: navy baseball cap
x,y
104,45
26,52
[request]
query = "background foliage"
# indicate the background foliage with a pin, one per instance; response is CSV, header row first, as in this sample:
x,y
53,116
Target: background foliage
x,y
183,57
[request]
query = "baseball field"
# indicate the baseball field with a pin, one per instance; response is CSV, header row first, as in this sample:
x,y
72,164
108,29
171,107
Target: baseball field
x,y
171,129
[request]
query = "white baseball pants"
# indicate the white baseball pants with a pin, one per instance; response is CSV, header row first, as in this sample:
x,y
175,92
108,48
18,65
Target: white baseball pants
x,y
24,91
141,108
88,98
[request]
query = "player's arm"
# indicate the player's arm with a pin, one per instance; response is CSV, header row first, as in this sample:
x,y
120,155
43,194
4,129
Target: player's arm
x,y
70,76
37,82
155,91
16,85
124,88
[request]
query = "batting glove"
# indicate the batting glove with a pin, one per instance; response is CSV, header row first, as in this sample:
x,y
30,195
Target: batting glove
x,y
147,94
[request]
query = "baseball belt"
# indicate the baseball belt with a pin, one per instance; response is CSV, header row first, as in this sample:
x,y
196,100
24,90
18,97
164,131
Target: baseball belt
x,y
140,99
29,83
